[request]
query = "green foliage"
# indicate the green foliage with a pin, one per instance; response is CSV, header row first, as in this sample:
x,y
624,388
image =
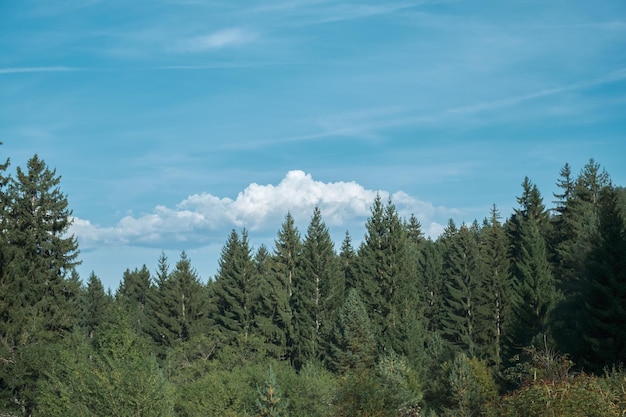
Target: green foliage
x,y
471,385
606,299
319,293
234,289
354,344
270,401
38,286
579,396
311,392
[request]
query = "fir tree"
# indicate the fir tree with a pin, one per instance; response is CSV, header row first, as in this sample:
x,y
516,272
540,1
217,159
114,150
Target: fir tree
x,y
497,280
97,305
465,297
271,311
270,401
354,346
287,270
319,291
432,292
181,312
535,290
133,295
384,263
234,288
39,292
347,264
606,299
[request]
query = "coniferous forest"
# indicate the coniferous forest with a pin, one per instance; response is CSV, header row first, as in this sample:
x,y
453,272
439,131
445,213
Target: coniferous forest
x,y
518,316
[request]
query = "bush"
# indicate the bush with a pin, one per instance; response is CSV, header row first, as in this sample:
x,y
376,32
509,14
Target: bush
x,y
579,396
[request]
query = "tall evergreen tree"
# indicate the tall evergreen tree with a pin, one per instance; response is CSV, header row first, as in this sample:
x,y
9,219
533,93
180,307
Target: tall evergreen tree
x,y
606,299
234,288
287,269
497,281
39,293
432,292
97,305
535,293
464,292
271,310
348,264
321,274
383,262
133,295
355,342
182,308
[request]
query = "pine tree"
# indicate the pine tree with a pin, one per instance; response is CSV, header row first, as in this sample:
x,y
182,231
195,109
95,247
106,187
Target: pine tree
x,y
464,303
270,401
383,261
234,288
321,274
133,295
287,270
606,299
497,280
348,265
181,312
535,290
354,346
271,311
432,292
39,292
97,305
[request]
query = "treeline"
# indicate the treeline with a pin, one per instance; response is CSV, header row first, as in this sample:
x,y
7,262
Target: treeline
x,y
500,317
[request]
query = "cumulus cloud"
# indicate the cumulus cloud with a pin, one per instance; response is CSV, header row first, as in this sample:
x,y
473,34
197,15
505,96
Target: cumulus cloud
x,y
202,218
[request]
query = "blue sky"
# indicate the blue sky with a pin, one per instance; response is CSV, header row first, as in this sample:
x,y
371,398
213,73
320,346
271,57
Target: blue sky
x,y
173,121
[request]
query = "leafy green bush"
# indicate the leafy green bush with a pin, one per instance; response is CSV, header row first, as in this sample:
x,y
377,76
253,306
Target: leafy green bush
x,y
579,396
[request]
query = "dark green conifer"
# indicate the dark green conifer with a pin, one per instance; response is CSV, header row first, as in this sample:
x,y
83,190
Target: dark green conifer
x,y
464,303
38,285
234,288
319,292
287,269
606,297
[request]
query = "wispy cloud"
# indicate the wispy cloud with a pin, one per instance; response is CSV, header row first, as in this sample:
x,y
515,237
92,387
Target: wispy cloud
x,y
258,208
217,40
22,70
609,78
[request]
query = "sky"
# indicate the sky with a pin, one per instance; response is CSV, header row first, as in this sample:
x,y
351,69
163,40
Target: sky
x,y
173,122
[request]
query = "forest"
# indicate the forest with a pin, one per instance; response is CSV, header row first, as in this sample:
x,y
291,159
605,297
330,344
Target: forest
x,y
523,316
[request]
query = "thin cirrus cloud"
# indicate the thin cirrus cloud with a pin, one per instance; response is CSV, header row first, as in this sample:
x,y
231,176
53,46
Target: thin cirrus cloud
x,y
222,39
22,70
202,218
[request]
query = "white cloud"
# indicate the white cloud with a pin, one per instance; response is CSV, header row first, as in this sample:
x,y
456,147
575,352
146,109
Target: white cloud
x,y
204,218
22,70
221,39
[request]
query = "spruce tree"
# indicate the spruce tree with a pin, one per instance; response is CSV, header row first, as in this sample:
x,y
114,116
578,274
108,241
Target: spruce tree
x,y
497,280
182,312
465,295
320,290
348,265
354,346
234,288
97,306
271,312
287,270
383,261
534,288
133,295
606,283
432,291
39,292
